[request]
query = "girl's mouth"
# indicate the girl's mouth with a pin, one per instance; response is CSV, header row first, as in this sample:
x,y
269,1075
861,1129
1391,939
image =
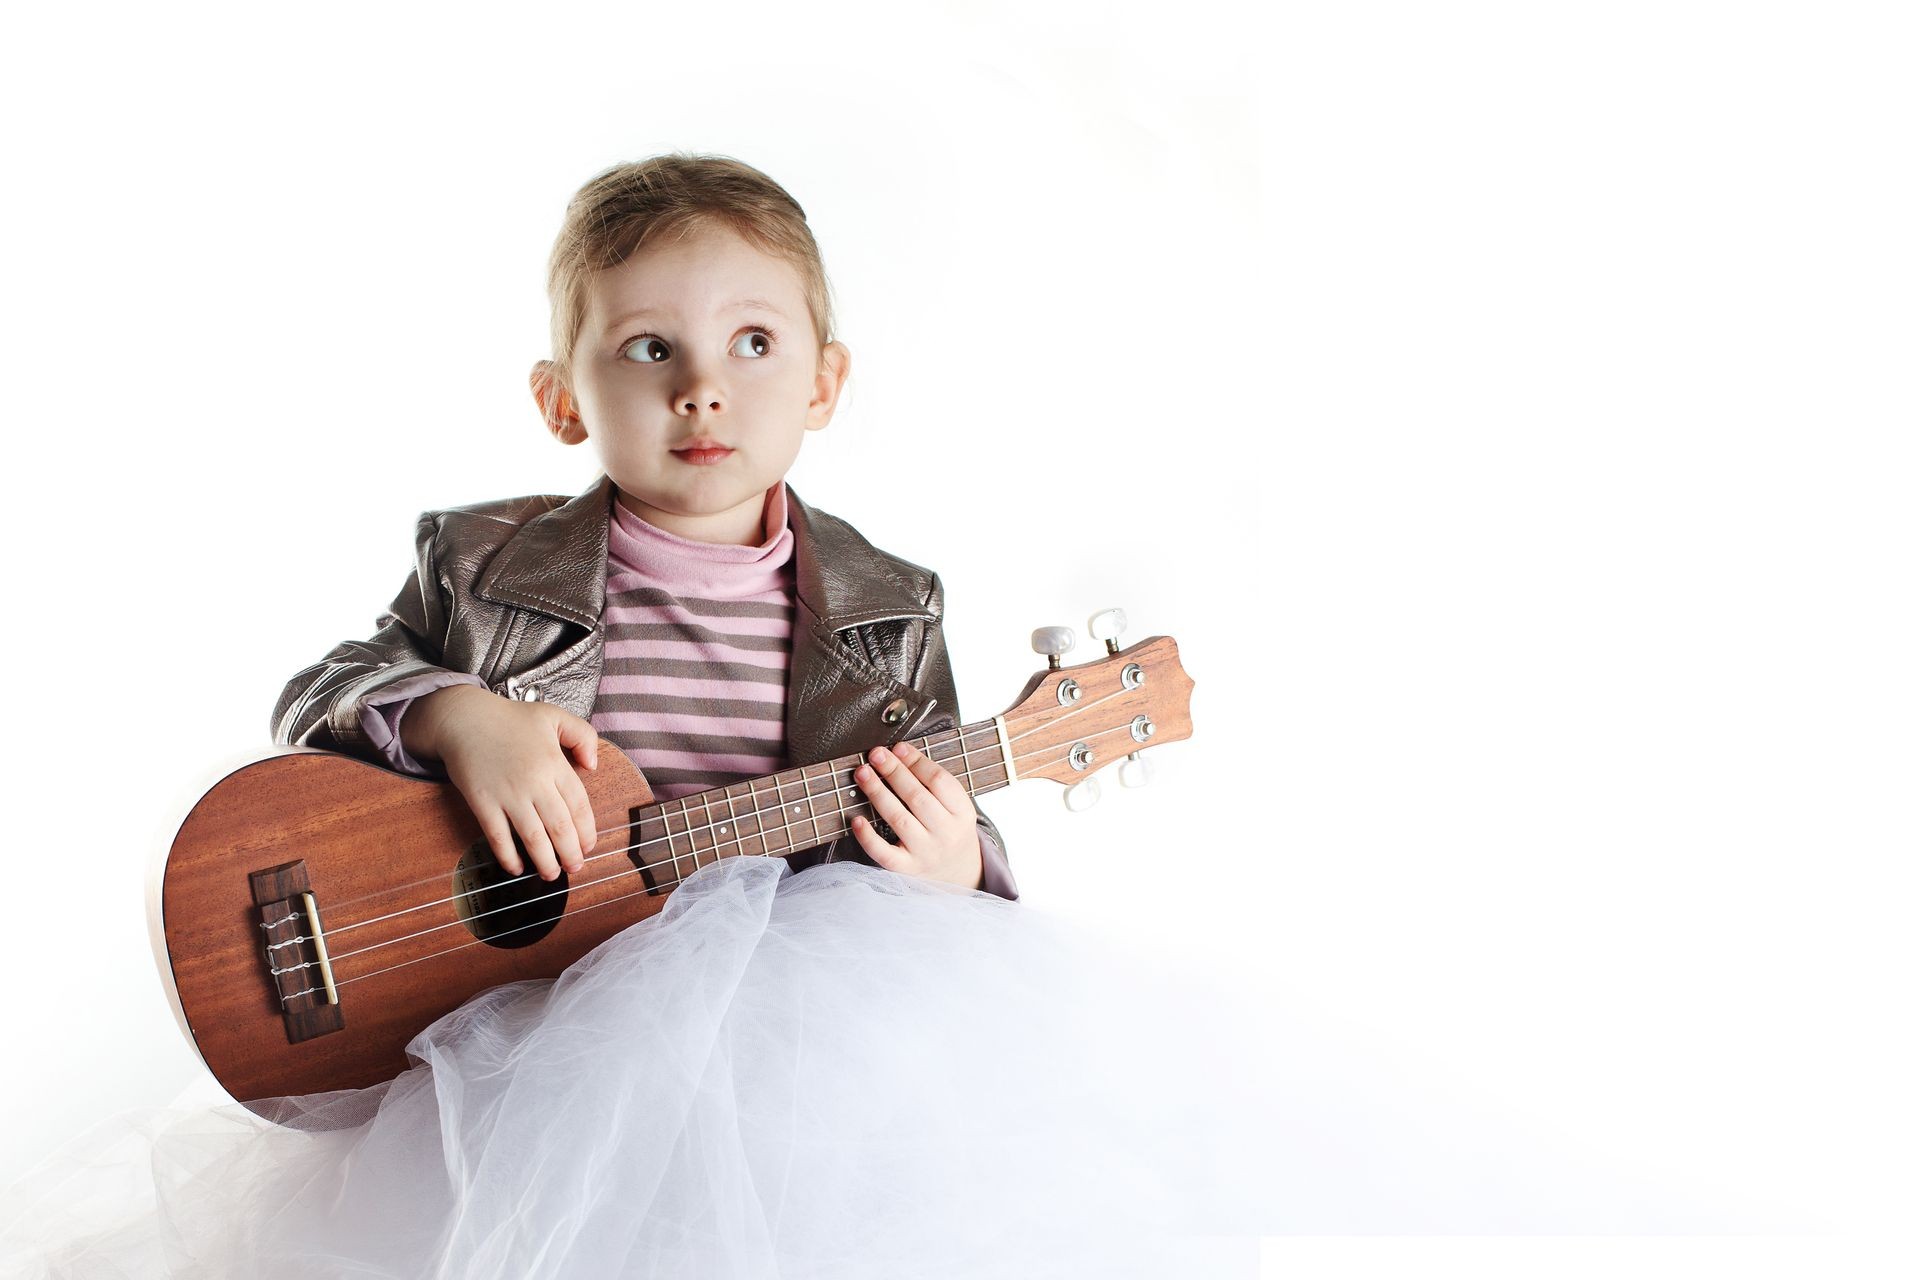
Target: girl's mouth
x,y
702,457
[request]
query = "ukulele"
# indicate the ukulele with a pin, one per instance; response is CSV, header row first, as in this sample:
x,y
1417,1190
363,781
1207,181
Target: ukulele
x,y
318,911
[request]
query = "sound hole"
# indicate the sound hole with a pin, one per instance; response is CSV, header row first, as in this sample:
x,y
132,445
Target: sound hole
x,y
502,910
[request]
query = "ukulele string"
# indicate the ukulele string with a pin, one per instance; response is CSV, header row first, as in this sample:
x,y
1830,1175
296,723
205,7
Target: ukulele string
x,y
674,861
447,951
386,891
755,797
965,749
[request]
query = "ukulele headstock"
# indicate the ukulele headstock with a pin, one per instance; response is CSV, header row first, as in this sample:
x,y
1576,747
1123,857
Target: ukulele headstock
x,y
1072,722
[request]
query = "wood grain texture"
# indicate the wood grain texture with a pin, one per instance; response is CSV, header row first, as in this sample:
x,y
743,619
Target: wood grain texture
x,y
379,851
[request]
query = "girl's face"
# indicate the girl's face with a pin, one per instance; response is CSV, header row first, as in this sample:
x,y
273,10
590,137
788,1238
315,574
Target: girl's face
x,y
705,341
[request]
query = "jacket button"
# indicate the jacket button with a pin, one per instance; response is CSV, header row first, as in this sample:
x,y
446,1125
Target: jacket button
x,y
895,711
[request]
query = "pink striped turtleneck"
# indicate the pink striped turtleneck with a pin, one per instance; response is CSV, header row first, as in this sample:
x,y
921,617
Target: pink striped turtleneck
x,y
698,642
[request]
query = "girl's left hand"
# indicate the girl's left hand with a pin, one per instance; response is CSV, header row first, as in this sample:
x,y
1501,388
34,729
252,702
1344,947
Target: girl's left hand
x,y
928,809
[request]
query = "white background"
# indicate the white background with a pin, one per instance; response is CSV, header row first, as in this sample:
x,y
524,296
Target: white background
x,y
1508,407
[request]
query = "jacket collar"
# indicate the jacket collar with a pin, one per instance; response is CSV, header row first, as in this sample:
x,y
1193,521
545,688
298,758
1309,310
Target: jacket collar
x,y
557,564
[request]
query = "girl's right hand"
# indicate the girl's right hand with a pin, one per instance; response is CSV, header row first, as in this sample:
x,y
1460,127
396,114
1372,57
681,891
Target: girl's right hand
x,y
509,759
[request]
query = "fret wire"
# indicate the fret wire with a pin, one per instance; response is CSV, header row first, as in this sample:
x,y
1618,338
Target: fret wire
x,y
685,804
704,829
693,848
760,815
788,816
776,812
806,780
733,816
766,845
707,814
673,848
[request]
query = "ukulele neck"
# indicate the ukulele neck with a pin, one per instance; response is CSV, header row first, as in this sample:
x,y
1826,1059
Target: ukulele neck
x,y
801,808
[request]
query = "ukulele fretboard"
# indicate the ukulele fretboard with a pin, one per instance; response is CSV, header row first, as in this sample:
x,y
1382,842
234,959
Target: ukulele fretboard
x,y
793,810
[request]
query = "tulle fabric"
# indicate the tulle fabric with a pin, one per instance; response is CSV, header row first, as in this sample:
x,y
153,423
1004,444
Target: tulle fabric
x,y
841,1073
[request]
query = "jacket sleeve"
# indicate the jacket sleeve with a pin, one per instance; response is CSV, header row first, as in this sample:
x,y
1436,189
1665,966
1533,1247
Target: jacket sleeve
x,y
334,704
936,678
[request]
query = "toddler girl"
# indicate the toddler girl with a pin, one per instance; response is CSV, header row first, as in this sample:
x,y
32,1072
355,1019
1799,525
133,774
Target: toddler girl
x,y
880,1066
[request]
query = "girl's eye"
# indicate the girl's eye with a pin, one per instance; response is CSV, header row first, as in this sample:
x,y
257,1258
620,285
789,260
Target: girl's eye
x,y
762,340
652,350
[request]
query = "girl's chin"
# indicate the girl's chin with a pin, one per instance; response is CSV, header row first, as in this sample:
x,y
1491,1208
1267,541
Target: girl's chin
x,y
696,501
693,496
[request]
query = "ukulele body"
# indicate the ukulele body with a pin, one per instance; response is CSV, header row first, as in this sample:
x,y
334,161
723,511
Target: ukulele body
x,y
416,915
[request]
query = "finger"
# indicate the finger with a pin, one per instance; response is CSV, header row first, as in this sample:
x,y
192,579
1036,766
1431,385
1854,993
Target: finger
x,y
557,817
582,810
579,739
499,833
885,802
926,809
937,778
890,856
533,834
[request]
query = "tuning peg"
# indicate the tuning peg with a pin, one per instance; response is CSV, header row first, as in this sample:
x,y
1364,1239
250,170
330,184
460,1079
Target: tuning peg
x,y
1082,795
1053,641
1107,625
1134,771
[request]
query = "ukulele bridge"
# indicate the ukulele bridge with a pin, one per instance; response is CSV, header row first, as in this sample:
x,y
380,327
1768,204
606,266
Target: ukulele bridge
x,y
294,948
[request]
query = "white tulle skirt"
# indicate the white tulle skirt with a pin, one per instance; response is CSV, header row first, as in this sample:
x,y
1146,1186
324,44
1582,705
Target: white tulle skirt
x,y
840,1073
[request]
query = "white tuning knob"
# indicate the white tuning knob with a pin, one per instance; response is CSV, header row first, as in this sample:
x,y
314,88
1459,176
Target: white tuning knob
x,y
1134,770
1053,641
1081,795
1107,625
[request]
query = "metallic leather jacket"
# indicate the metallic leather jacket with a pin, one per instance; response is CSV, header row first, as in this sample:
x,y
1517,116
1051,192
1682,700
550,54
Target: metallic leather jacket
x,y
512,591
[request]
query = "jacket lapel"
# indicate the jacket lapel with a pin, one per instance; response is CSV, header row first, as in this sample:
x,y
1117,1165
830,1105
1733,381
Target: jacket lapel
x,y
556,566
557,563
836,701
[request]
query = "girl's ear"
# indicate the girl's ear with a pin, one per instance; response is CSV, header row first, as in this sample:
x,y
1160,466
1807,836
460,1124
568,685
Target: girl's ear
x,y
557,409
836,361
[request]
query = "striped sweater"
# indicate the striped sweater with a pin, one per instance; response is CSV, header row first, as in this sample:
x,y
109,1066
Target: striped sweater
x,y
699,635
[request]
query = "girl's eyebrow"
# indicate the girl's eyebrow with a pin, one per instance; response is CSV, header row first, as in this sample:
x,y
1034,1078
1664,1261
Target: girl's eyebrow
x,y
743,304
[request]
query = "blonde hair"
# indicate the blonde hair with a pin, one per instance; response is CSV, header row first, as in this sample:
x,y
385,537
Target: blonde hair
x,y
670,196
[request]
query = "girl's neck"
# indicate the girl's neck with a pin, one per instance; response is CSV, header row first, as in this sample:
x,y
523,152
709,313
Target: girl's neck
x,y
741,526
